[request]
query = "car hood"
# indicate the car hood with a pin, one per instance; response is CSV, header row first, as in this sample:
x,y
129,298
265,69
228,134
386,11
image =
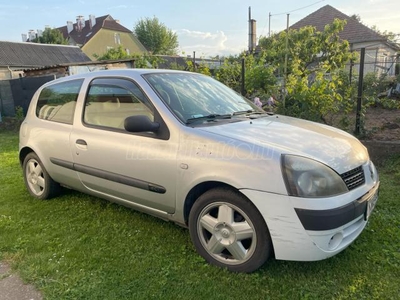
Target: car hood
x,y
333,147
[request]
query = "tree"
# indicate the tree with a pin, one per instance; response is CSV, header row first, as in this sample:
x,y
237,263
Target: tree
x,y
314,85
156,37
113,53
229,73
51,36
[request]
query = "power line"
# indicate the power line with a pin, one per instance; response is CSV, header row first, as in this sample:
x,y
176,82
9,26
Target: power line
x,y
284,13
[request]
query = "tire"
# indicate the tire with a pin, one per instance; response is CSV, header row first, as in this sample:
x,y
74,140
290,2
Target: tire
x,y
38,182
228,231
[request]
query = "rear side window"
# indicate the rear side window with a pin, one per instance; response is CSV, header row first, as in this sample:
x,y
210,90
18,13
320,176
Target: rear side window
x,y
57,102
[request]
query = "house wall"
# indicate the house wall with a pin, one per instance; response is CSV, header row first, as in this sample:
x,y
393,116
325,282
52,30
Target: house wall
x,y
57,72
6,73
106,39
379,58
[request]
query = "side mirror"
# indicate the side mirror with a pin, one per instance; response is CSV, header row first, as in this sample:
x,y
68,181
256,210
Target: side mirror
x,y
140,123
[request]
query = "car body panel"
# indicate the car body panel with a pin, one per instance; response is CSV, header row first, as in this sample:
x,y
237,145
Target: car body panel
x,y
339,150
137,157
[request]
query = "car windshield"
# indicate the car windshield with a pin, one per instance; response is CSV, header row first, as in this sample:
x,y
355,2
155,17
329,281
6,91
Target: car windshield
x,y
195,97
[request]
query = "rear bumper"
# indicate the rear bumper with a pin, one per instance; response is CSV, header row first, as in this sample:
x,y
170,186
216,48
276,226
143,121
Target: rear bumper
x,y
311,234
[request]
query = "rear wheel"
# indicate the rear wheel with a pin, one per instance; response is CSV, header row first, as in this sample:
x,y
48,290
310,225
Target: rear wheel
x,y
37,180
228,231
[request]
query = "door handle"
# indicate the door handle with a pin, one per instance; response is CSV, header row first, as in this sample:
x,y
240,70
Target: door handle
x,y
81,142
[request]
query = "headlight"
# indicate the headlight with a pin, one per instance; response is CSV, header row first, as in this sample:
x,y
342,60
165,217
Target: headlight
x,y
308,178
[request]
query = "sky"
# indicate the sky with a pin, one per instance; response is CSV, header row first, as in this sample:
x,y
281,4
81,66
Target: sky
x,y
208,27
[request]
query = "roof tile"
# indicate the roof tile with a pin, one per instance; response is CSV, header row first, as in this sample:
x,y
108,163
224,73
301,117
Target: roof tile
x,y
354,31
83,36
35,55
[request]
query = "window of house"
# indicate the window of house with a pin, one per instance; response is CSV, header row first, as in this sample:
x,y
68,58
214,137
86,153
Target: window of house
x,y
117,38
57,102
110,101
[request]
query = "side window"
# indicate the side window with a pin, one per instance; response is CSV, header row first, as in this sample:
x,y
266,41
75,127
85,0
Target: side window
x,y
110,101
57,102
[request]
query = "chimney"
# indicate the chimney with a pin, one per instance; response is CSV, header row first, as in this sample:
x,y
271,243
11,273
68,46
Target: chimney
x,y
24,37
252,33
80,22
31,35
70,26
117,21
253,40
92,21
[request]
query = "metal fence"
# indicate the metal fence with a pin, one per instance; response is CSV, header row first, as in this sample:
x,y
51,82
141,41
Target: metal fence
x,y
18,93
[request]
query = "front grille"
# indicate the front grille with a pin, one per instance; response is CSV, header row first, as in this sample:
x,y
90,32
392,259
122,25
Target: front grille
x,y
354,178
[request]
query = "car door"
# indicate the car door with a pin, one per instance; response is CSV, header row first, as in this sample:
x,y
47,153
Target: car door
x,y
134,167
50,136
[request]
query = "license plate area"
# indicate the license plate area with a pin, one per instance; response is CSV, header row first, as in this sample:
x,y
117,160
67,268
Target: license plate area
x,y
371,203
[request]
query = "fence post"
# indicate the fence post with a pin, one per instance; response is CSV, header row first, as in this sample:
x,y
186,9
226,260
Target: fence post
x,y
243,92
360,92
1,105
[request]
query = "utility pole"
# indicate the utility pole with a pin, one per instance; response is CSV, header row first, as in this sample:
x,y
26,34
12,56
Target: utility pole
x,y
269,24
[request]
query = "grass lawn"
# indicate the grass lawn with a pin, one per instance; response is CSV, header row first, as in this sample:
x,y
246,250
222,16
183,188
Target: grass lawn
x,y
81,247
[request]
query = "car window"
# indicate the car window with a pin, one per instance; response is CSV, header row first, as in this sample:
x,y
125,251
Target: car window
x,y
194,95
57,102
110,101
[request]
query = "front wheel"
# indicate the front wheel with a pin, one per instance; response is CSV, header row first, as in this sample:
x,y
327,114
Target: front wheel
x,y
228,231
37,180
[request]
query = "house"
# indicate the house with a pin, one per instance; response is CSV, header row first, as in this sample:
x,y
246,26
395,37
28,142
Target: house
x,y
68,69
97,35
15,89
15,57
380,54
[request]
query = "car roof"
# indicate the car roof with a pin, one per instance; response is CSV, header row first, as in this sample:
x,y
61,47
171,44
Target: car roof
x,y
133,73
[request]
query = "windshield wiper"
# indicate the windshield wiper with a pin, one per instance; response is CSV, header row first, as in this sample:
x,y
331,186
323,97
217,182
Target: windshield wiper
x,y
210,117
250,111
253,114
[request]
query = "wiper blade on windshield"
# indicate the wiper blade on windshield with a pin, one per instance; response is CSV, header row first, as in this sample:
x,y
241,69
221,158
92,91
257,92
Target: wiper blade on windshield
x,y
250,111
208,118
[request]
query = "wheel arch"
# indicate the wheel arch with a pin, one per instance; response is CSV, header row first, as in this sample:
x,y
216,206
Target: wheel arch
x,y
197,191
23,153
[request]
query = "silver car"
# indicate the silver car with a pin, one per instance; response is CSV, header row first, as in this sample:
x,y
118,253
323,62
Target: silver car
x,y
185,148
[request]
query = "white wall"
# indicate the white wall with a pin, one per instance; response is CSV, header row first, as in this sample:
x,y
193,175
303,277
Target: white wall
x,y
379,58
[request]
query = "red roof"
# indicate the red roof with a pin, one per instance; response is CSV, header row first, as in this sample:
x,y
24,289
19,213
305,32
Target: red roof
x,y
83,36
354,31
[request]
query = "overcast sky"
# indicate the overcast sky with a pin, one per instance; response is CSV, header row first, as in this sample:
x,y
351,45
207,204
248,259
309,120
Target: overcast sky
x,y
209,27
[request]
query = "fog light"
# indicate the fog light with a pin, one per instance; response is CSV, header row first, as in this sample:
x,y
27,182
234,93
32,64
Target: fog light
x,y
335,241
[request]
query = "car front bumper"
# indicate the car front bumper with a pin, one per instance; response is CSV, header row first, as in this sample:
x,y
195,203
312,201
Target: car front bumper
x,y
301,232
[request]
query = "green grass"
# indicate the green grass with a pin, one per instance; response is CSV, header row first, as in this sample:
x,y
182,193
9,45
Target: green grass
x,y
81,247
